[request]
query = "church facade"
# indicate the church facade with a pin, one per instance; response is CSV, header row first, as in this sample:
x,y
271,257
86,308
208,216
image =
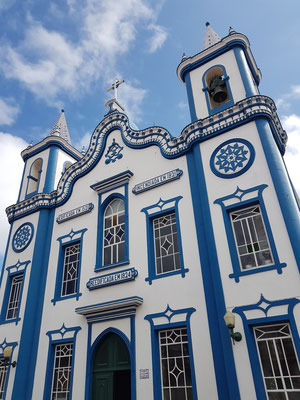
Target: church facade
x,y
122,262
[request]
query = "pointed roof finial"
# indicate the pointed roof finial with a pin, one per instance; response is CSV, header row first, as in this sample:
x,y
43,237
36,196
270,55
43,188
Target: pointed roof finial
x,y
231,31
184,57
60,128
211,37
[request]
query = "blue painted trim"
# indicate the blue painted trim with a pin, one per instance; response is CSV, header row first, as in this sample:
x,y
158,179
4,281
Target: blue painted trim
x,y
112,182
226,378
53,341
5,254
3,345
25,370
227,46
256,199
190,96
244,168
284,192
17,269
133,349
101,210
172,208
168,314
64,241
51,169
223,106
126,275
249,335
91,355
248,82
51,142
14,239
29,194
22,182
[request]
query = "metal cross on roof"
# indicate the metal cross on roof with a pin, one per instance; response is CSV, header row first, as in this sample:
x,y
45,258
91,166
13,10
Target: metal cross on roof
x,y
114,87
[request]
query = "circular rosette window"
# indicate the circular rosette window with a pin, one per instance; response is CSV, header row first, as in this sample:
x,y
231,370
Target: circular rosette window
x,y
22,237
232,158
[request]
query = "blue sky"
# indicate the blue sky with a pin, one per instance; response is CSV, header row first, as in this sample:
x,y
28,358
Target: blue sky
x,y
65,54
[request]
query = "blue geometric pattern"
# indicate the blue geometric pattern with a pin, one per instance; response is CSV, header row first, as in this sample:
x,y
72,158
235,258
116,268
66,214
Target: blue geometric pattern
x,y
113,152
22,237
232,158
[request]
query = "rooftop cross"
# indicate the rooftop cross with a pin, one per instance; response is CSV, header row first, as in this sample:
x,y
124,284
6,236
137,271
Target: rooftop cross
x,y
114,87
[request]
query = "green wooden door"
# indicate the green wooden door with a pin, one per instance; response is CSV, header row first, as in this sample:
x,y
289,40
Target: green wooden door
x,y
111,370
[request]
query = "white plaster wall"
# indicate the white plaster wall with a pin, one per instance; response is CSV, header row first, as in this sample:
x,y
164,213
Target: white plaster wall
x,y
250,287
228,60
176,291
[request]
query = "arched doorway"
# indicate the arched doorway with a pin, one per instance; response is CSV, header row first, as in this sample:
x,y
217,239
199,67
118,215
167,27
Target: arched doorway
x,y
111,369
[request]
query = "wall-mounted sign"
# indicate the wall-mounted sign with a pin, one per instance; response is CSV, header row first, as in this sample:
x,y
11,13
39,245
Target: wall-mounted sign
x,y
112,279
157,181
144,373
75,213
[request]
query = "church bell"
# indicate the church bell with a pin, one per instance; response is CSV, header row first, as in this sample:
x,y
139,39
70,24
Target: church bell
x,y
217,89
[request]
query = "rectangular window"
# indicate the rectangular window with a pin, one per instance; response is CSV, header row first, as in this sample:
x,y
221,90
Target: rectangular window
x,y
167,256
175,364
3,374
62,371
70,271
251,238
279,361
14,296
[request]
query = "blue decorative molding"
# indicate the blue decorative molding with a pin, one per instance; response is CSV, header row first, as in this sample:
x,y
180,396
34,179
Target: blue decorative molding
x,y
113,182
156,324
113,152
161,208
22,237
157,181
59,336
17,269
232,158
112,279
76,212
3,345
234,202
282,314
67,240
256,107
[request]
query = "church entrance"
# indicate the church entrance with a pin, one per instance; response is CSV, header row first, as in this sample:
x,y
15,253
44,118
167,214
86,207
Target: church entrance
x,y
111,369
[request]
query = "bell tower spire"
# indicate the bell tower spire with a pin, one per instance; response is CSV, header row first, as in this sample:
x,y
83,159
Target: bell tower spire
x,y
211,37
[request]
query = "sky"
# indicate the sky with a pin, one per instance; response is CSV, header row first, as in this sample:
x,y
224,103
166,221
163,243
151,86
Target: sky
x,y
65,54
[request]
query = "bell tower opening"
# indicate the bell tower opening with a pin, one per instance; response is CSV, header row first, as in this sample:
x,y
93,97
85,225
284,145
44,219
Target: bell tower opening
x,y
216,83
111,369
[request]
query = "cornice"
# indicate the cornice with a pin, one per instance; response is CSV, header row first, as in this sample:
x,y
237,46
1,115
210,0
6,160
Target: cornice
x,y
170,147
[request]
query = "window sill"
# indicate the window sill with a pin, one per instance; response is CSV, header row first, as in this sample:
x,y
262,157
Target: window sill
x,y
9,321
182,272
104,267
256,270
70,296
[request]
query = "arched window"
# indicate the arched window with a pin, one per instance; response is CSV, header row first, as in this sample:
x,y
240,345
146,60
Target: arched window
x,y
34,176
66,165
114,232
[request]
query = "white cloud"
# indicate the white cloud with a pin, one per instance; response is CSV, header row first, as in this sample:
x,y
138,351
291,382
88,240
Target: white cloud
x,y
84,142
158,39
8,111
131,97
284,101
48,64
291,124
12,163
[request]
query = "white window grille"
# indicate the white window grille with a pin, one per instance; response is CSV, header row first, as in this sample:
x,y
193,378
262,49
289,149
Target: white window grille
x,y
114,233
175,364
279,361
251,238
70,272
3,374
14,296
167,256
62,371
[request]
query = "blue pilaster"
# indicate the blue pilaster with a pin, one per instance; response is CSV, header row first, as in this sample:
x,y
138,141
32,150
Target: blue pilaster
x,y
51,169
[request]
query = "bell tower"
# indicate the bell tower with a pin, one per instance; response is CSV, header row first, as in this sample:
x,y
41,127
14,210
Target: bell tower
x,y
222,74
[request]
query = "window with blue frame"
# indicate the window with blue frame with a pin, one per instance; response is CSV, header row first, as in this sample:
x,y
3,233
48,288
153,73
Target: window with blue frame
x,y
69,266
14,296
164,240
33,178
3,376
250,239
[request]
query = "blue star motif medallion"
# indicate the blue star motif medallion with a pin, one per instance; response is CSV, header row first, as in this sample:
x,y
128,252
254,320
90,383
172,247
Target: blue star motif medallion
x,y
22,237
232,158
113,152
